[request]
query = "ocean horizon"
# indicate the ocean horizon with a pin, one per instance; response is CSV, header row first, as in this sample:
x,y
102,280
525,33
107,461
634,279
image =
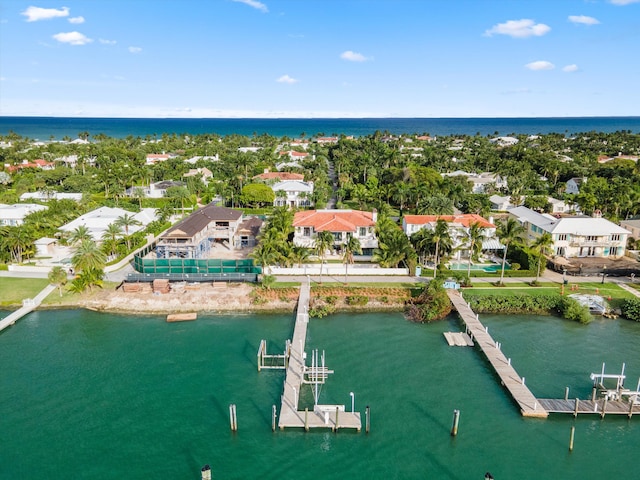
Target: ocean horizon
x,y
58,128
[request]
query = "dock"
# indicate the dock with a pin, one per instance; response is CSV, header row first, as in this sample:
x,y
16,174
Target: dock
x,y
458,339
600,407
321,416
529,405
28,305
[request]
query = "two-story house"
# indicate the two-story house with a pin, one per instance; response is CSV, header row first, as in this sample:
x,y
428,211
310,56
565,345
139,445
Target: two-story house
x,y
574,236
342,224
458,226
293,193
480,181
194,236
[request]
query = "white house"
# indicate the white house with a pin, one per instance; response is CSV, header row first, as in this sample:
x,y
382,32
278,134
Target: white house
x,y
480,180
341,223
293,193
45,196
458,226
154,158
574,236
155,190
573,185
504,141
13,215
98,220
500,202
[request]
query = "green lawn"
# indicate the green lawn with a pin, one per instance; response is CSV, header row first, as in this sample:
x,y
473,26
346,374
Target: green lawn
x,y
14,290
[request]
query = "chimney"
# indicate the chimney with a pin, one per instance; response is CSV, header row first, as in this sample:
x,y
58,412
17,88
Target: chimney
x,y
374,215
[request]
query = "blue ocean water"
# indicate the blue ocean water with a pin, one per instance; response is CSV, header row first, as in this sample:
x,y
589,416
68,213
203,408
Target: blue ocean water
x,y
45,128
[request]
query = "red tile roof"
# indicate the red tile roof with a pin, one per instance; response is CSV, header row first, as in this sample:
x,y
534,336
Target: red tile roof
x,y
280,176
466,219
334,220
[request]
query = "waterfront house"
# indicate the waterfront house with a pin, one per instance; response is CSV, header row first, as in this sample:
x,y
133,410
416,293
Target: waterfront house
x,y
342,224
97,221
13,215
194,236
293,193
577,236
458,226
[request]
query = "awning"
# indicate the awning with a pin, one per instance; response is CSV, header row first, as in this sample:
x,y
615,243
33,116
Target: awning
x,y
492,244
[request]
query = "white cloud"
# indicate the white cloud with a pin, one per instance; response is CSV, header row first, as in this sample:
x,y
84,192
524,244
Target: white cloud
x,y
254,4
583,19
72,38
540,65
519,29
76,20
287,79
34,14
623,2
107,42
353,56
135,49
570,68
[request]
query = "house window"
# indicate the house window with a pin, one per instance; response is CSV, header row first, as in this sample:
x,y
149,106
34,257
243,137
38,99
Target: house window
x,y
362,231
306,232
337,236
592,238
562,237
615,237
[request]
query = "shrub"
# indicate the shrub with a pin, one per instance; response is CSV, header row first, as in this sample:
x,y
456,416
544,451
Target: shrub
x,y
571,309
321,311
537,305
630,309
331,299
359,300
4,266
432,304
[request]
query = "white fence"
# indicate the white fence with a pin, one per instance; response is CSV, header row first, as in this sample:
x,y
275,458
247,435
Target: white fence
x,y
335,269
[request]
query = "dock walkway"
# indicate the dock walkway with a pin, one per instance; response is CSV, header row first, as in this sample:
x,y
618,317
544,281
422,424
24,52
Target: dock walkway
x,y
28,306
529,405
290,416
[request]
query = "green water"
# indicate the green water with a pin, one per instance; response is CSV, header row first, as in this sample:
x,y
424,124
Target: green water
x,y
88,395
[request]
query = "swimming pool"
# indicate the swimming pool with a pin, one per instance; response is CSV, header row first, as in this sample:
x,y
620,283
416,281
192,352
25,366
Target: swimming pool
x,y
485,267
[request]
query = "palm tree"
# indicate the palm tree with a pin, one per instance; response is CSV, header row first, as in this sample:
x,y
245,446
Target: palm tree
x,y
111,236
508,232
125,221
441,238
58,277
542,245
475,236
87,256
324,241
79,235
350,248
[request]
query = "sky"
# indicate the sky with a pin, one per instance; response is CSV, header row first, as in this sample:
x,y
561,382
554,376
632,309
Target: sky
x,y
319,58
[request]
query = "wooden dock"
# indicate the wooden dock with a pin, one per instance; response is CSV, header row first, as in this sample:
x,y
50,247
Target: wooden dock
x,y
529,405
458,339
324,416
590,407
28,306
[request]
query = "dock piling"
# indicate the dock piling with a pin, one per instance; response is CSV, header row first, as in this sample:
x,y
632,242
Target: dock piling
x,y
233,420
306,419
566,393
273,418
575,411
366,416
206,472
337,411
604,407
573,433
456,421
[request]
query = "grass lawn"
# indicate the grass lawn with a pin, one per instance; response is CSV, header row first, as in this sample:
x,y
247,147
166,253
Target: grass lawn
x,y
14,290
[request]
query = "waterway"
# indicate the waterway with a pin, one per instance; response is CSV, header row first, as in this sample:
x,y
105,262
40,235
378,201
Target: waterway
x,y
90,395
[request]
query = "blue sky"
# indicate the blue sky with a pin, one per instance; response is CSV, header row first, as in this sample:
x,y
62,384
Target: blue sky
x,y
324,58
